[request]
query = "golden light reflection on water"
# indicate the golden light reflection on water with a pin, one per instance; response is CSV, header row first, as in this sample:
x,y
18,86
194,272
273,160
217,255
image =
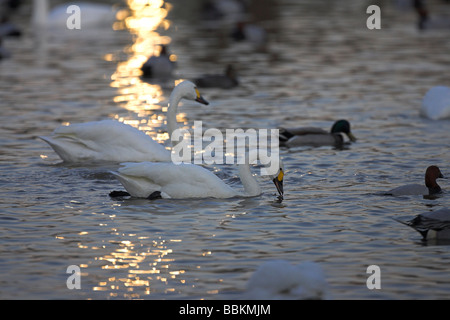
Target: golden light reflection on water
x,y
138,268
142,20
134,266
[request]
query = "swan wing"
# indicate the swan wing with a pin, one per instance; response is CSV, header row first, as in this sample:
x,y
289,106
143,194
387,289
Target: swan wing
x,y
106,140
178,181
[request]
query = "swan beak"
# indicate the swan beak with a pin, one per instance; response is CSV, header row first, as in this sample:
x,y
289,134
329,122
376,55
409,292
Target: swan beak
x,y
351,137
201,100
278,181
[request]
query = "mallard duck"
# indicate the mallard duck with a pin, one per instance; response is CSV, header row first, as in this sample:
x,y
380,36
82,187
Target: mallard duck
x,y
224,81
431,225
431,187
311,136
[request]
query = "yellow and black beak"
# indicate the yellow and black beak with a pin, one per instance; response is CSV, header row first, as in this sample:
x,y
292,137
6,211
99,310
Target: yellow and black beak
x,y
200,99
278,181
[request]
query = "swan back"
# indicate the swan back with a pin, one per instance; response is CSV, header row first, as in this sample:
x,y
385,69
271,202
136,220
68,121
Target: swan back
x,y
177,181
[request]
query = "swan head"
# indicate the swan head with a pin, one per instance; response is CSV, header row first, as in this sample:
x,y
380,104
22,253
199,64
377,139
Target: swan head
x,y
277,179
344,127
189,90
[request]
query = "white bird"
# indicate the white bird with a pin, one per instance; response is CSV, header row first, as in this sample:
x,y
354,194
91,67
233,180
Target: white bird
x,y
281,280
91,14
432,224
113,141
182,181
436,103
430,188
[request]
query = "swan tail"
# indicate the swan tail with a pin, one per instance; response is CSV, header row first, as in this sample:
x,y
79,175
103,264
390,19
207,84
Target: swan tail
x,y
68,148
57,147
138,187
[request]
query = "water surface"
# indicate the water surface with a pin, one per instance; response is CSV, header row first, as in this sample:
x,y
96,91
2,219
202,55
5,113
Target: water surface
x,y
321,63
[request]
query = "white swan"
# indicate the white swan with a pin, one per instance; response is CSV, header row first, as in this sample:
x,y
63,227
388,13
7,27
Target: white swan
x,y
113,141
436,103
431,225
185,180
91,14
281,280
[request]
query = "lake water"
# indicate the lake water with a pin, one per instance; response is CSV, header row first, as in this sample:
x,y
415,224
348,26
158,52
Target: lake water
x,y
321,63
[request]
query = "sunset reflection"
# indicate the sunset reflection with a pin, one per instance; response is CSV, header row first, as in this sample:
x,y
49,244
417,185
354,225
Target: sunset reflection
x,y
145,268
138,268
142,20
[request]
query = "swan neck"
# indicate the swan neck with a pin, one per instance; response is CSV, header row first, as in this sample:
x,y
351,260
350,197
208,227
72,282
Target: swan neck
x,y
251,186
40,12
172,111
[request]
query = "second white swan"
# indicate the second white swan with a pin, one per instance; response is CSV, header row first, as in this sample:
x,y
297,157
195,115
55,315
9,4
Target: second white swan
x,y
168,180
